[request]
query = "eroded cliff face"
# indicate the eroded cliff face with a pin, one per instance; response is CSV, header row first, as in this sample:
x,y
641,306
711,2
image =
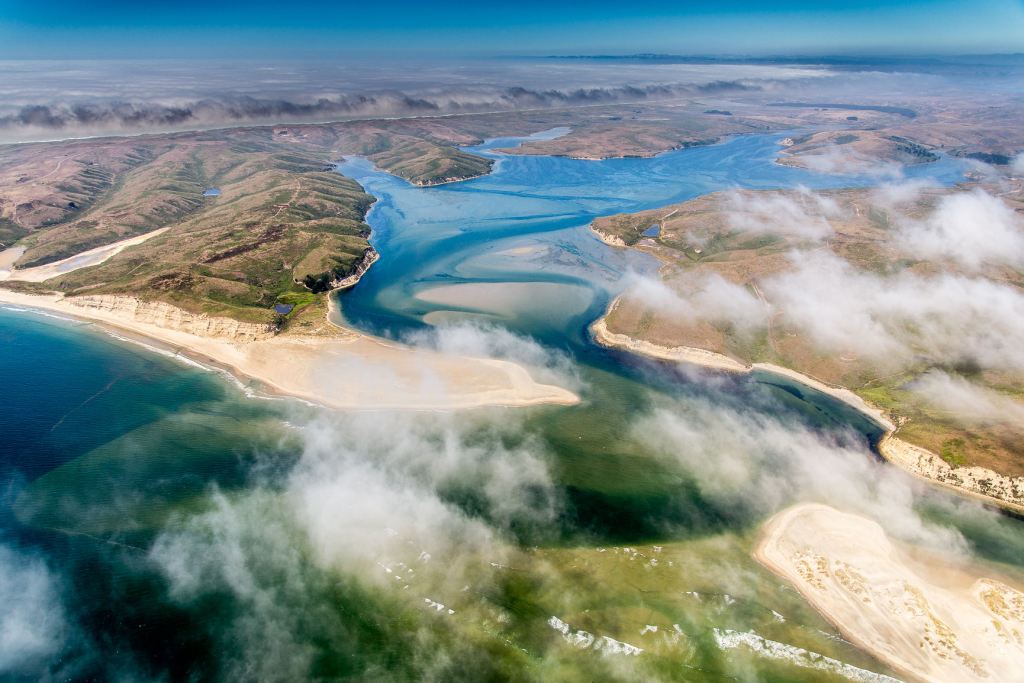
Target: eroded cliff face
x,y
370,257
171,317
610,240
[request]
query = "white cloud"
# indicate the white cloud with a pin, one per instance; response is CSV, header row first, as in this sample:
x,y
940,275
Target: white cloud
x,y
478,340
967,401
706,298
971,228
895,319
898,195
378,500
33,626
750,461
1017,167
841,159
801,213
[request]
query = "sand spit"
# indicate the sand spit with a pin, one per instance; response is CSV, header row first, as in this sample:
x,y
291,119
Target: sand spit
x,y
976,482
93,257
7,258
348,371
927,619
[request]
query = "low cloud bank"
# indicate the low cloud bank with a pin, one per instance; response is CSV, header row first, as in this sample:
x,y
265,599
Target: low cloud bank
x,y
749,461
33,624
969,228
98,116
416,503
803,214
839,159
895,319
967,401
892,319
479,340
708,298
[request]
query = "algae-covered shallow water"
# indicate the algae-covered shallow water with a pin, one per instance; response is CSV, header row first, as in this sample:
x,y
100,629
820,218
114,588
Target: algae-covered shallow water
x,y
166,525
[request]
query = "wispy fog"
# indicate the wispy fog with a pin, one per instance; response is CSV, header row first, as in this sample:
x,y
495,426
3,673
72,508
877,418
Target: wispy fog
x,y
966,401
973,229
383,511
478,340
744,460
47,100
707,298
802,213
33,624
935,314
892,319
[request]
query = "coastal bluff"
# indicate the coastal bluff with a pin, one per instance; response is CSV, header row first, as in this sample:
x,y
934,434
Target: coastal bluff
x,y
170,317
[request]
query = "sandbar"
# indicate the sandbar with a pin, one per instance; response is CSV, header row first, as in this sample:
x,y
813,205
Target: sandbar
x,y
347,371
928,617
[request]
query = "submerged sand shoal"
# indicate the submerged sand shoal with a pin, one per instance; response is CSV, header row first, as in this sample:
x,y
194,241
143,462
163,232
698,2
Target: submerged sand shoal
x,y
925,616
350,371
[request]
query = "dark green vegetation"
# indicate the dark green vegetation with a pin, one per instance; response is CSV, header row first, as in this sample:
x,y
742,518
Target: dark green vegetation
x,y
989,158
910,148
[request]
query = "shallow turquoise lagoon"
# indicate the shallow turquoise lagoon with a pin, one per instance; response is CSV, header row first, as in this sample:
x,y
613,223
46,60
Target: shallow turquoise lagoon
x,y
108,445
527,221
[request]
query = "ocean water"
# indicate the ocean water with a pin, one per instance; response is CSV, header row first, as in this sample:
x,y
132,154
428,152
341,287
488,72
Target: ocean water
x,y
173,515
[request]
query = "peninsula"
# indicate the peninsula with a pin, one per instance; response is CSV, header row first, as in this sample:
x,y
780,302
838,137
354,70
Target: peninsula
x,y
738,271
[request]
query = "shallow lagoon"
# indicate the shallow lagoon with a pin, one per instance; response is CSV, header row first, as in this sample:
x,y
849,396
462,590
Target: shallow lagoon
x,y
526,222
110,447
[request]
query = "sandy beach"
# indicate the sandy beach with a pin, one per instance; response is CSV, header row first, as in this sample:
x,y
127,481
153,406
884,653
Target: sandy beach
x,y
348,371
928,617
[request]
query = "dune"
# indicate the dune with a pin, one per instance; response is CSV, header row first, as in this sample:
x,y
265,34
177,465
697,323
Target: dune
x,y
928,617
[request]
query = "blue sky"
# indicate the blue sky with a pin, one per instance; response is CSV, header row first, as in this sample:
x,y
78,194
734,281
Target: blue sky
x,y
300,28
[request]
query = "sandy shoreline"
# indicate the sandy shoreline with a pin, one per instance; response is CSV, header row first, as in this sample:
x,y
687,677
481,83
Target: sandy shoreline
x,y
683,354
975,482
925,617
350,371
718,361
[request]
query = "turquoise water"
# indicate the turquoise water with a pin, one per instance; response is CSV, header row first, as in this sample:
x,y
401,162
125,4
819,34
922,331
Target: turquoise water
x,y
469,232
521,233
110,448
